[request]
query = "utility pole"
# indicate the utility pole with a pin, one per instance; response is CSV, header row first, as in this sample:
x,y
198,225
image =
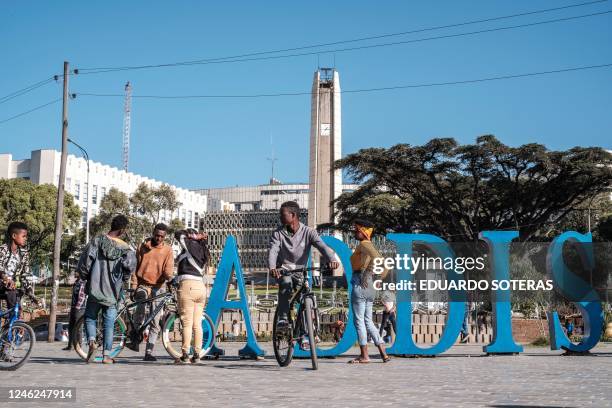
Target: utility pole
x,y
59,215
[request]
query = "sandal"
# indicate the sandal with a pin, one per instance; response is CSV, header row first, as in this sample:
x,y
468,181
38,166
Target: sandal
x,y
358,360
386,359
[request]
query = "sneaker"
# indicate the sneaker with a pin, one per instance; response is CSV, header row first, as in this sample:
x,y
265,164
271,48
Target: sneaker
x,y
108,360
91,353
184,359
149,357
195,358
67,348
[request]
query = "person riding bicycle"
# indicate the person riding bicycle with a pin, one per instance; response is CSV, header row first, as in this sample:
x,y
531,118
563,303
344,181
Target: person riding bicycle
x,y
106,265
290,245
155,266
15,265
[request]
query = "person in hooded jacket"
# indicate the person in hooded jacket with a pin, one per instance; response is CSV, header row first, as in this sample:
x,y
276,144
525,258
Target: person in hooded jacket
x,y
106,265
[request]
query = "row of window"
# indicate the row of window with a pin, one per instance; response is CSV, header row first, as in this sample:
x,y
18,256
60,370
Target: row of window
x,y
76,191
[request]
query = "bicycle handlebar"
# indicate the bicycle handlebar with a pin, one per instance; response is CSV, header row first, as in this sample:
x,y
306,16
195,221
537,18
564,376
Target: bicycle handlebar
x,y
304,269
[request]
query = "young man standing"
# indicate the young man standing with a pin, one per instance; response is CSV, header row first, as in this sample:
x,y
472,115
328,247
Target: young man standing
x,y
14,264
106,264
155,266
290,247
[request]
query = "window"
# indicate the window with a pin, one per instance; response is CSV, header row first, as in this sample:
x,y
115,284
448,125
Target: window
x,y
77,190
190,219
84,219
102,193
68,184
94,194
184,216
85,192
196,220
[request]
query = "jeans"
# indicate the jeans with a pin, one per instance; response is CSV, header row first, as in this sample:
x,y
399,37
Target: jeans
x,y
286,284
464,325
191,299
388,322
362,301
109,314
143,311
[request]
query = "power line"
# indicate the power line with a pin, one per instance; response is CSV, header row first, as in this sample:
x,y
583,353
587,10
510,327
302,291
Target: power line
x,y
31,110
346,91
25,90
240,57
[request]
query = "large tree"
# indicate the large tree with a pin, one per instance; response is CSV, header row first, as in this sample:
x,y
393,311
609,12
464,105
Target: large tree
x,y
21,200
143,208
456,191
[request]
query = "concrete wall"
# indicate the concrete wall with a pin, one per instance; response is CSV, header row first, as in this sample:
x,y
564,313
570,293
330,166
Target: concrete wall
x,y
426,329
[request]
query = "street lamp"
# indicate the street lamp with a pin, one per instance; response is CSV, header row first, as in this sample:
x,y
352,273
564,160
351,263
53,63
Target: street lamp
x,y
88,186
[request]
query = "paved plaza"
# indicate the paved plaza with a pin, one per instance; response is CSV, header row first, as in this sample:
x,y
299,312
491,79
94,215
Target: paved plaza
x,y
462,377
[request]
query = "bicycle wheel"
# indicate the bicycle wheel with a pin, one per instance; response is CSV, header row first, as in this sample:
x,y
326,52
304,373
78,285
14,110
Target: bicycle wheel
x,y
282,341
172,334
16,345
80,339
310,328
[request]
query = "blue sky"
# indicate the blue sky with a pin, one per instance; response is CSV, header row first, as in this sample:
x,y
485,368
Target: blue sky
x,y
224,142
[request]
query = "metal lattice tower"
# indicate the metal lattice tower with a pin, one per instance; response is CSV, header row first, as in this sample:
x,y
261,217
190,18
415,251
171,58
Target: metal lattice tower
x,y
126,125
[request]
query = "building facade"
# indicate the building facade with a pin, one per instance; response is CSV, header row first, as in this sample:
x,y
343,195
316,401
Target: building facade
x,y
260,198
43,168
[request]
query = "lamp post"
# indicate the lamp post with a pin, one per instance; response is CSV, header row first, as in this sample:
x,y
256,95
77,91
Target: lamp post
x,y
87,206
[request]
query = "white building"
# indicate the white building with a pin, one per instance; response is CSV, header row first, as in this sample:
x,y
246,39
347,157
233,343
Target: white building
x,y
43,168
261,197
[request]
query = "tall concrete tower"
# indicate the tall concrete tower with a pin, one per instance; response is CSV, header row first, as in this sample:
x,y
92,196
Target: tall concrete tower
x,y
325,138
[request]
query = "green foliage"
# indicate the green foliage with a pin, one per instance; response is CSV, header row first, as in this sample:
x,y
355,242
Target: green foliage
x,y
541,341
143,209
597,210
604,228
21,200
456,191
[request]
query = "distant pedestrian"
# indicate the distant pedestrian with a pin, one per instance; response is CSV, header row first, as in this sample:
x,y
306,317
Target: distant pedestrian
x,y
388,324
569,328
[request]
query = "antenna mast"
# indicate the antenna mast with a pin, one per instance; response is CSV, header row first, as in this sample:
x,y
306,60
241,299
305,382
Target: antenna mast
x,y
126,125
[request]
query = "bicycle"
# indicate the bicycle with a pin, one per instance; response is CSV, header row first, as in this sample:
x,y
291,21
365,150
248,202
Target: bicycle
x,y
304,321
17,339
125,327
